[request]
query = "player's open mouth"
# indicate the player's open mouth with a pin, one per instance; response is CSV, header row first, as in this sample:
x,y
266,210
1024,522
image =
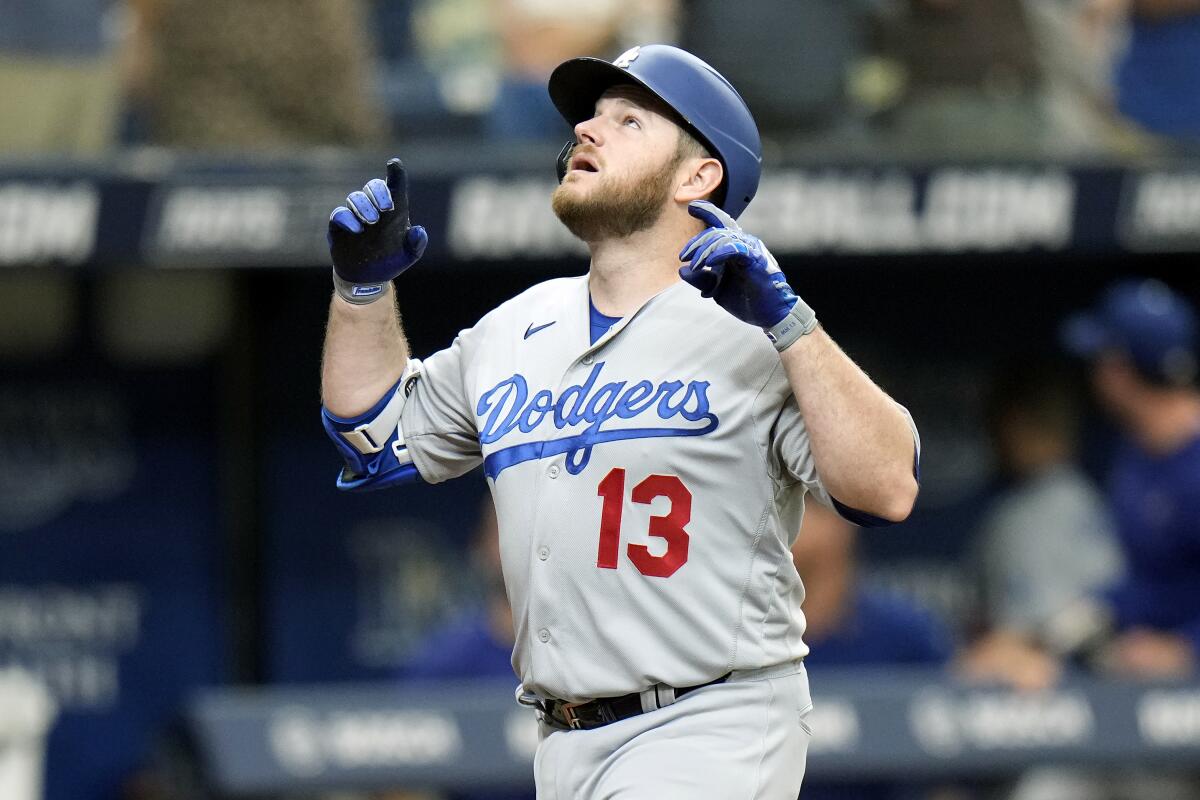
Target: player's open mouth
x,y
584,163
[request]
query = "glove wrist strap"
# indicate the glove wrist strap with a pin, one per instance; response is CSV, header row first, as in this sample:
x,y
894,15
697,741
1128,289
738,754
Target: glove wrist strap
x,y
360,294
799,321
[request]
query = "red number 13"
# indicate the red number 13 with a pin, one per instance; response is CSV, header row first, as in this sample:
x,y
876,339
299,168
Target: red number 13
x,y
669,527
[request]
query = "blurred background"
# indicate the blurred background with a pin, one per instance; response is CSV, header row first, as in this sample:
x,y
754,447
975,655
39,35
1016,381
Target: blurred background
x,y
188,607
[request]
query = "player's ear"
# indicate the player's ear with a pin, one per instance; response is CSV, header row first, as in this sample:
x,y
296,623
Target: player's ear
x,y
700,179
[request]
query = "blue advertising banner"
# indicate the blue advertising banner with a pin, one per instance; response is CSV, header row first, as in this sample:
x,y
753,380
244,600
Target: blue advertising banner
x,y
867,724
356,581
108,558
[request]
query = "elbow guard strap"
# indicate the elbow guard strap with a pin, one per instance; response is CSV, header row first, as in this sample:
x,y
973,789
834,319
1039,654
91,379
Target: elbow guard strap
x,y
372,444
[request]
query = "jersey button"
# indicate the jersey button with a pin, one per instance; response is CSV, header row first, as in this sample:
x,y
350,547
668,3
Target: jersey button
x,y
586,359
553,471
543,552
543,635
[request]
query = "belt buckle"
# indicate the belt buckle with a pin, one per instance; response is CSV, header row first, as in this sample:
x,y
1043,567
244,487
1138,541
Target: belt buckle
x,y
568,712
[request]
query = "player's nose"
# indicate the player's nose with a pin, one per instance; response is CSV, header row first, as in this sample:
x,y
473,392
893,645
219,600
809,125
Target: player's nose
x,y
588,132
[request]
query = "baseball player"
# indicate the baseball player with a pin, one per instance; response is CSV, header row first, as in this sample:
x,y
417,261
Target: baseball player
x,y
649,433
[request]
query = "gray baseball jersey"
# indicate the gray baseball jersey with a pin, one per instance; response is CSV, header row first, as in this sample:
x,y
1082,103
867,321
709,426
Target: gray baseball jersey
x,y
648,486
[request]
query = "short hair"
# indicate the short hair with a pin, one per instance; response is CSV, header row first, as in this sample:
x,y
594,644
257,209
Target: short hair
x,y
689,146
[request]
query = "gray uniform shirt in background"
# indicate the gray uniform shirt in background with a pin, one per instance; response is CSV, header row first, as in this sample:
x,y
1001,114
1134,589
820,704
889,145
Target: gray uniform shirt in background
x,y
1045,545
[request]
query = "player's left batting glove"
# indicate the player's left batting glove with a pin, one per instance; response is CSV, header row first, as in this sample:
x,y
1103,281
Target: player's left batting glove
x,y
370,238
737,271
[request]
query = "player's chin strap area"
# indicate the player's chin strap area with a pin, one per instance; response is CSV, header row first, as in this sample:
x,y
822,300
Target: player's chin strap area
x,y
564,159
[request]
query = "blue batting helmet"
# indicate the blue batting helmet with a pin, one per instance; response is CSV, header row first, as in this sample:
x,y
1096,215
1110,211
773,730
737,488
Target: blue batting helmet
x,y
1147,322
708,105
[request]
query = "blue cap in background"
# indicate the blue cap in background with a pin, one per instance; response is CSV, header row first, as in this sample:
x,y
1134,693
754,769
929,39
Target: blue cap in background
x,y
1144,321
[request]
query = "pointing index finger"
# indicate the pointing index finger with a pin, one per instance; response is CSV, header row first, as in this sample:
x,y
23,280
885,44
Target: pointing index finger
x,y
397,180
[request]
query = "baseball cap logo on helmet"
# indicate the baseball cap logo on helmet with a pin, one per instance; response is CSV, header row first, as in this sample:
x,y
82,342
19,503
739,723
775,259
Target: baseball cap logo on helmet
x,y
707,104
628,57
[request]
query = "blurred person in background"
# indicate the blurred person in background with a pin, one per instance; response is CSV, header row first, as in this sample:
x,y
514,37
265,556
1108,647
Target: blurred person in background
x,y
1141,342
491,58
60,76
1157,77
1047,540
535,36
268,75
795,61
969,81
851,624
441,65
1078,43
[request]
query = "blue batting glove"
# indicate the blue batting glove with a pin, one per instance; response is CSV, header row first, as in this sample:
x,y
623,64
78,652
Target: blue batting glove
x,y
737,271
370,238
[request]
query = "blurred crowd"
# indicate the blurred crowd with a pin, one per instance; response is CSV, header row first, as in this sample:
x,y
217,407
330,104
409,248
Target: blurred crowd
x,y
969,77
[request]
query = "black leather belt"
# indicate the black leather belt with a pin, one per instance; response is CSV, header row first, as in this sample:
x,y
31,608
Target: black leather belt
x,y
602,711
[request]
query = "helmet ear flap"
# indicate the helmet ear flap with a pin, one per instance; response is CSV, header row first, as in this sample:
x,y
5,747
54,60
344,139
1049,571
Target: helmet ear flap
x,y
564,159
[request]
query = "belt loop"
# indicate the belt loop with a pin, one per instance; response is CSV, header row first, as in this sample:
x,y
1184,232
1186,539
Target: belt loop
x,y
527,698
665,695
649,698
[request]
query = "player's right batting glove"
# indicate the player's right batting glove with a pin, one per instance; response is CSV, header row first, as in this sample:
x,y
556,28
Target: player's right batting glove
x,y
737,271
370,238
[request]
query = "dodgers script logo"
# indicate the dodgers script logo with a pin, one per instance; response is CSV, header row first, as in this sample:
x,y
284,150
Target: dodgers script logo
x,y
507,407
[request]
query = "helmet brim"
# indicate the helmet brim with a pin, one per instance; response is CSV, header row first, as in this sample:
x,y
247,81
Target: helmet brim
x,y
577,84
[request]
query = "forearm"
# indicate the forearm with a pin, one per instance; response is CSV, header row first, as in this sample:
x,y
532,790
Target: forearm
x,y
365,354
861,441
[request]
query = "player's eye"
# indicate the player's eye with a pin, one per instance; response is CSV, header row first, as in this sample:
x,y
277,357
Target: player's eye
x,y
632,120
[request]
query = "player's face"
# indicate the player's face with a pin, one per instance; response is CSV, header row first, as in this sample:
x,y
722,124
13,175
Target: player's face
x,y
1116,384
623,172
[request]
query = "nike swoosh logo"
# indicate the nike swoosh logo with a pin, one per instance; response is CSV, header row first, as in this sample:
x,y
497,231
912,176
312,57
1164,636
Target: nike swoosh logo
x,y
530,331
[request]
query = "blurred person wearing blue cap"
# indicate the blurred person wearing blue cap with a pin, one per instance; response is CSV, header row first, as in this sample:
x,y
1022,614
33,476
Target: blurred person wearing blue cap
x,y
1141,343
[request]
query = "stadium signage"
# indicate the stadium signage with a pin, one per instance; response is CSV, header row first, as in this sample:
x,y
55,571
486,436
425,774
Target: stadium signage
x,y
47,222
214,214
1161,211
308,743
946,724
1170,718
223,218
866,724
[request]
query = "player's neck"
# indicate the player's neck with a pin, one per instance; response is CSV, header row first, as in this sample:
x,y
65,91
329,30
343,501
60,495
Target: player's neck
x,y
628,271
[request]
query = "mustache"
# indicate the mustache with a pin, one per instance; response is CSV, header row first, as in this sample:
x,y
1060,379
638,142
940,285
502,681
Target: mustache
x,y
589,150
